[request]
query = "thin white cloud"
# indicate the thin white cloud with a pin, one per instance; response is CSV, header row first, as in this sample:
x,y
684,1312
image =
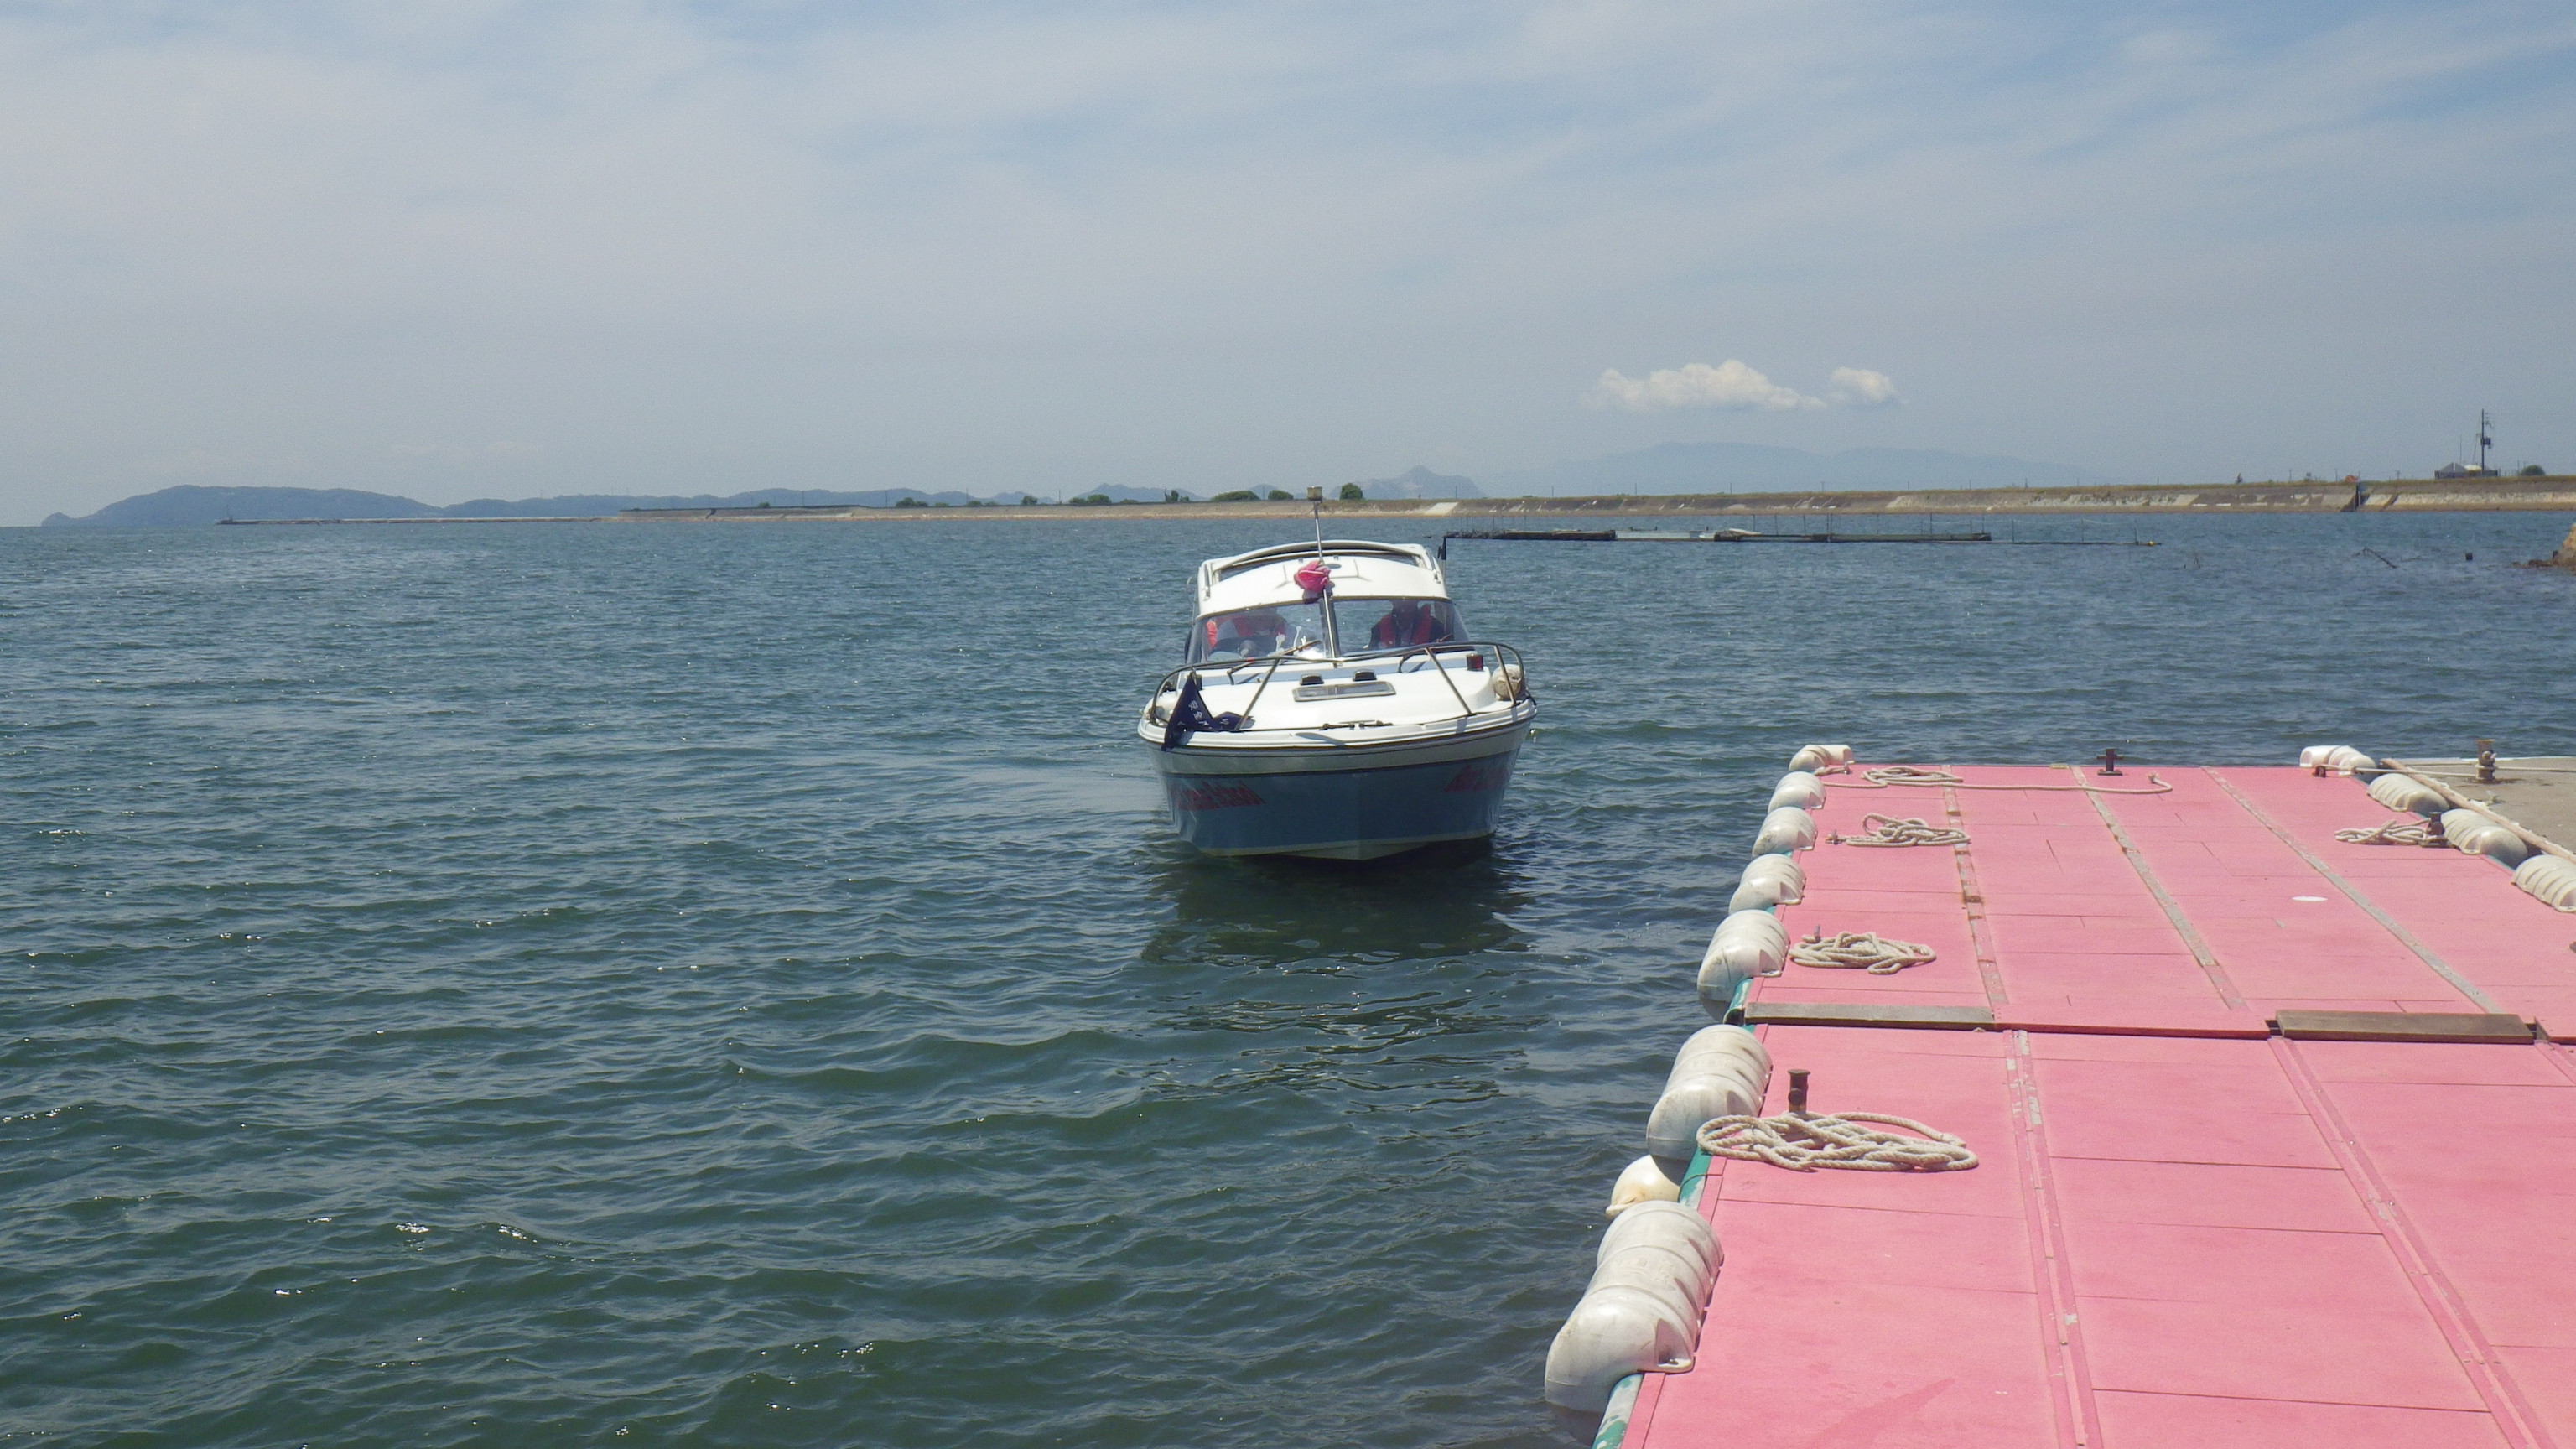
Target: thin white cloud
x,y
1859,387
1730,385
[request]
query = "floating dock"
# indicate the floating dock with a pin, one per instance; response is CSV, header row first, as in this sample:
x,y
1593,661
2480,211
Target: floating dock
x,y
2277,1136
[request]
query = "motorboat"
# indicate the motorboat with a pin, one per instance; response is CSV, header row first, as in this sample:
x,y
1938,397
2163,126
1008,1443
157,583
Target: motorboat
x,y
1331,704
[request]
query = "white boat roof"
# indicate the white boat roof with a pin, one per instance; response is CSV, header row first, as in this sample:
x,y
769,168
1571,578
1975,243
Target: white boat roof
x,y
1361,569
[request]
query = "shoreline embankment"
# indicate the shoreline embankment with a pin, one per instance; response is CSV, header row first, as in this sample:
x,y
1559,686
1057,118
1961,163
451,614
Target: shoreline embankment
x,y
2405,496
2412,495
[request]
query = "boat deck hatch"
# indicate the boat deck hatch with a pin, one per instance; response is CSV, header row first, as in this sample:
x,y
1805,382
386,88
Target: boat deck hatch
x,y
1344,691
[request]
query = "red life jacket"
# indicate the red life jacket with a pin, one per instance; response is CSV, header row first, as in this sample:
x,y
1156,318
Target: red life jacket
x,y
1391,631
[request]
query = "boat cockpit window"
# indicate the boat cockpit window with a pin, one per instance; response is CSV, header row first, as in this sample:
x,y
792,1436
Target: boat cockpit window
x,y
1258,633
1367,624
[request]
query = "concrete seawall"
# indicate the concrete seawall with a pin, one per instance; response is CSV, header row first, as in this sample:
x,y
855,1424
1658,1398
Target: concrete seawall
x,y
2407,496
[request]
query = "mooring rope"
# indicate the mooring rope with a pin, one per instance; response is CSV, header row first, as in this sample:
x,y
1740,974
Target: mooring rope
x,y
1918,775
1802,1142
1859,951
1891,830
1886,775
2395,832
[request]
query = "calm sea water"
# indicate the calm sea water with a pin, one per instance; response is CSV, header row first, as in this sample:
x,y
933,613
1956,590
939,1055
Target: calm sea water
x,y
685,984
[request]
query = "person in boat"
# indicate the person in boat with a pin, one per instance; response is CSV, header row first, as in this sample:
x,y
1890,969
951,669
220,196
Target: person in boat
x,y
1408,623
1252,635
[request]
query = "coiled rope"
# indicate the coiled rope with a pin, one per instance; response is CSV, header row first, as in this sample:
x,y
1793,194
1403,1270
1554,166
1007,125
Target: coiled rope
x,y
1859,951
1802,1142
1890,830
1886,776
2395,832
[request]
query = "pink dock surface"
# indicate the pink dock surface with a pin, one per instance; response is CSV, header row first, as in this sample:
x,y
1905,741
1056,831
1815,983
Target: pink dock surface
x,y
2186,1228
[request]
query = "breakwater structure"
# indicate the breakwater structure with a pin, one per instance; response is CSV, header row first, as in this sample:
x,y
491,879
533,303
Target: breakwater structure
x,y
2403,496
2448,495
1748,535
2087,1105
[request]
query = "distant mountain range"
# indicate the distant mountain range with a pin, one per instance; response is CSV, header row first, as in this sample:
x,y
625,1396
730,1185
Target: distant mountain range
x,y
1420,482
191,506
1666,468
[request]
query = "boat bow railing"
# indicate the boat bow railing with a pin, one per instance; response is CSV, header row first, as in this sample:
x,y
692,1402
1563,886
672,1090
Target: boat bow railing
x,y
1506,665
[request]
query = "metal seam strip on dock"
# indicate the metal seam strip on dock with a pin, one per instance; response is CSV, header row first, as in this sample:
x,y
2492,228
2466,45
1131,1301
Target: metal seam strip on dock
x,y
2277,1148
2182,925
2441,1301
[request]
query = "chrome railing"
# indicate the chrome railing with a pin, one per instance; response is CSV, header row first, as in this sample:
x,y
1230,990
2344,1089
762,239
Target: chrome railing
x,y
1502,655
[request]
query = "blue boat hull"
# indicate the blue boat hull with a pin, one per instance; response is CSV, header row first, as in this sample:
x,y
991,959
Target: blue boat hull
x,y
1345,814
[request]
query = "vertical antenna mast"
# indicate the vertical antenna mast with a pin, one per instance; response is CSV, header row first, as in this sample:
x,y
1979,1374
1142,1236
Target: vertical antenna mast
x,y
1324,590
2486,438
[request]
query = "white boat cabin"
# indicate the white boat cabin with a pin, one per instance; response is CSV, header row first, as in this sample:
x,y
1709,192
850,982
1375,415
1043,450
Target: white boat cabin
x,y
1385,597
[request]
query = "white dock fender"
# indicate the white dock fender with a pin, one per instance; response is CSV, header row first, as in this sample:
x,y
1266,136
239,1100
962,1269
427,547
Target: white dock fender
x,y
1611,1334
1667,1223
1747,944
1721,1071
1675,1275
2398,792
1640,1313
1731,1047
1643,1181
1800,789
2551,879
1771,880
1781,867
1785,830
1672,1132
1817,757
1760,890
1752,926
2475,834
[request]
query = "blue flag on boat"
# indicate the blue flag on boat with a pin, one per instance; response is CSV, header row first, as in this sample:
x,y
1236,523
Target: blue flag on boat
x,y
1190,715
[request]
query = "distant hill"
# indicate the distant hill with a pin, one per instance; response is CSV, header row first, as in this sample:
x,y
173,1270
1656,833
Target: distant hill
x,y
190,506
1420,482
1753,468
1666,468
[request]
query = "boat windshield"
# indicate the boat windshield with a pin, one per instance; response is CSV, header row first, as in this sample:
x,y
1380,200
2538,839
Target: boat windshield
x,y
1368,624
1258,633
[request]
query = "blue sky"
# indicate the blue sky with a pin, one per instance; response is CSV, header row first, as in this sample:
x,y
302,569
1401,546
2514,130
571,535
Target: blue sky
x,y
493,248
